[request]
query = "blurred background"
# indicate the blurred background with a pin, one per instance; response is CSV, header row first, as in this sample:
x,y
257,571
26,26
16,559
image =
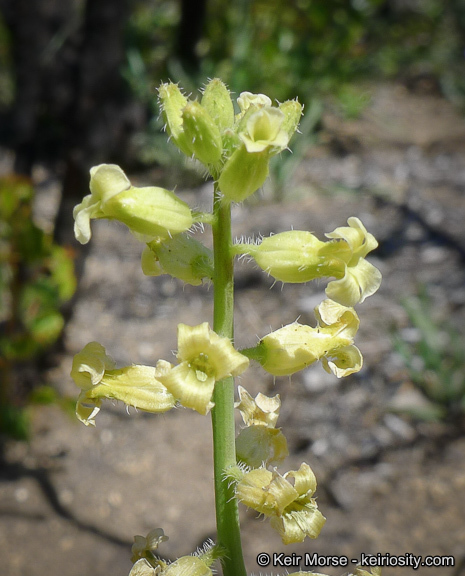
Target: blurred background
x,y
382,138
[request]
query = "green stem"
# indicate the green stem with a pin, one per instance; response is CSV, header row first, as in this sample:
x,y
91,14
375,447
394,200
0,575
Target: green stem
x,y
224,449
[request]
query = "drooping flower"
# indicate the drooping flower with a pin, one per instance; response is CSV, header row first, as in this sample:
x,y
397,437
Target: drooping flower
x,y
298,256
290,505
94,372
150,211
205,358
296,346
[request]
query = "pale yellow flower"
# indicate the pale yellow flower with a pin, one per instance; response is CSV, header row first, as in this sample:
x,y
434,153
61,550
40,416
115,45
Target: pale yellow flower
x,y
296,346
205,359
94,372
291,506
149,212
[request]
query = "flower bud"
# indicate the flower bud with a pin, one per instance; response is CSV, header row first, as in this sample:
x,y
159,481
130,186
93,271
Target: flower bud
x,y
202,133
172,102
247,99
182,257
292,110
216,100
243,174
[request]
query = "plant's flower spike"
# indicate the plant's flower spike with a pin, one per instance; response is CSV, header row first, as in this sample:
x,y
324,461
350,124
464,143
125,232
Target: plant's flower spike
x,y
182,257
93,371
172,102
292,110
292,508
360,279
243,174
264,131
150,211
216,100
263,411
296,346
205,359
247,99
146,545
257,445
202,134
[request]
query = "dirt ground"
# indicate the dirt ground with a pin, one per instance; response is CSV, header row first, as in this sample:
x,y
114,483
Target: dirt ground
x,y
72,499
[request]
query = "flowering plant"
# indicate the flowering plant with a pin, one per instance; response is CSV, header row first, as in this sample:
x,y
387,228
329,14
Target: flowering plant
x,y
235,147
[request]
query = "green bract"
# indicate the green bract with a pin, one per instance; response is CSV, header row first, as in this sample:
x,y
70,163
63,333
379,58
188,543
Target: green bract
x,y
149,211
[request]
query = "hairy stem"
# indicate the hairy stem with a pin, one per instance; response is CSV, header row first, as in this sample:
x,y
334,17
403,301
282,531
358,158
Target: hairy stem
x,y
224,450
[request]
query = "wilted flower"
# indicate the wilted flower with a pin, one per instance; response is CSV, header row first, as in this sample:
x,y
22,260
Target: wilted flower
x,y
139,386
205,359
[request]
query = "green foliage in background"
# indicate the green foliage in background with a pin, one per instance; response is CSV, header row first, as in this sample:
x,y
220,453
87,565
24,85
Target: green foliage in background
x,y
36,278
435,361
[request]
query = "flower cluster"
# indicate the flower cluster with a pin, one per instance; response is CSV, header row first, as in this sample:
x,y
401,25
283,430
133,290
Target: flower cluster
x,y
235,148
